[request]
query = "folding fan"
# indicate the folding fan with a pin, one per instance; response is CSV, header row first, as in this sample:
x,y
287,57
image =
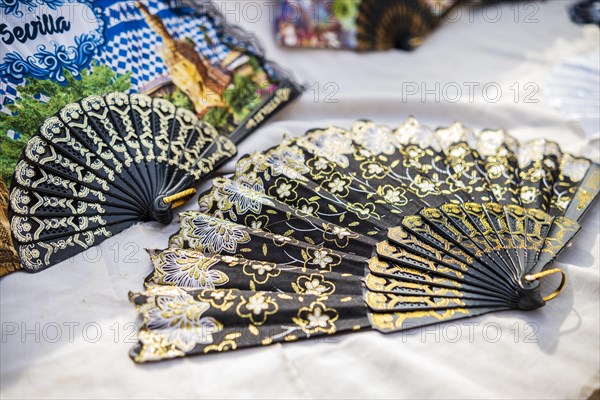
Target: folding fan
x,y
359,24
369,228
184,52
399,24
102,164
9,261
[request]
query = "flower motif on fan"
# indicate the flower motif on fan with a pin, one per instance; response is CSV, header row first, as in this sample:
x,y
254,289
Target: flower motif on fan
x,y
317,318
340,236
376,139
373,169
315,284
458,165
423,186
393,194
334,147
35,148
178,320
261,271
154,348
412,132
364,211
284,190
337,185
251,162
221,299
459,151
308,207
20,201
455,185
288,161
257,307
257,222
534,173
209,234
188,269
499,191
322,259
247,193
495,168
319,166
528,194
29,254
412,158
413,152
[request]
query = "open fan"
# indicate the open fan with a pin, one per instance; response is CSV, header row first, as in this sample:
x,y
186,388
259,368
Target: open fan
x,y
359,24
102,164
399,24
369,228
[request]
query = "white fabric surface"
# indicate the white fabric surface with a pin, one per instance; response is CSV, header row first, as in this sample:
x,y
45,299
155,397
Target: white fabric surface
x,y
560,360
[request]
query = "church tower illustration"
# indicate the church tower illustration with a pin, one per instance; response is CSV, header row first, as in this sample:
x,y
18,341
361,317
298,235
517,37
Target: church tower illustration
x,y
195,76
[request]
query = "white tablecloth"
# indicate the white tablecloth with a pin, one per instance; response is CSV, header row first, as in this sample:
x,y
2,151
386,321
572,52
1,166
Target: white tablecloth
x,y
66,331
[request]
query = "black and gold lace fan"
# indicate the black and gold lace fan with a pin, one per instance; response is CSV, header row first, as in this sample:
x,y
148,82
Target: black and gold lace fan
x,y
341,230
102,164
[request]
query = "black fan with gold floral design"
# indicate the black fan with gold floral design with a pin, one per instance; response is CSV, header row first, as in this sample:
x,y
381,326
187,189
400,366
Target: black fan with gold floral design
x,y
102,164
341,230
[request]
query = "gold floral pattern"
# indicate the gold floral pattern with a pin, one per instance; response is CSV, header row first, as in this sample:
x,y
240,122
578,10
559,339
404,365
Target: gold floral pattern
x,y
393,194
257,307
221,299
317,318
308,207
186,269
288,161
257,222
284,190
364,211
373,169
315,284
323,259
423,186
337,184
340,236
451,227
260,271
178,321
209,234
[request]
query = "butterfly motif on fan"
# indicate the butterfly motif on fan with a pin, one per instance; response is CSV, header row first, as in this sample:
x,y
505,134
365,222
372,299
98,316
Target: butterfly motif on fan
x,y
367,228
102,164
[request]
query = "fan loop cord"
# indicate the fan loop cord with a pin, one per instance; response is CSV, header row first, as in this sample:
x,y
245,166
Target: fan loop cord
x,y
540,275
178,199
